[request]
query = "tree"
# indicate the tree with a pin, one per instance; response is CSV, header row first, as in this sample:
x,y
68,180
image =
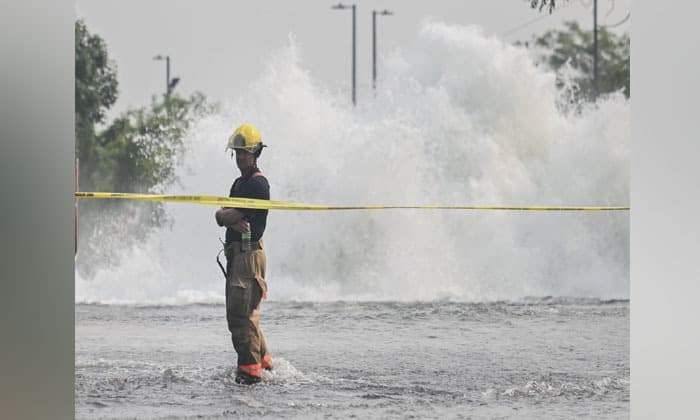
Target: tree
x,y
137,152
541,4
96,90
573,47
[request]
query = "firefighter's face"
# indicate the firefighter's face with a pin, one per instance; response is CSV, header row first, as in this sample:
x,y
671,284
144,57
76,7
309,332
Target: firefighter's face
x,y
244,159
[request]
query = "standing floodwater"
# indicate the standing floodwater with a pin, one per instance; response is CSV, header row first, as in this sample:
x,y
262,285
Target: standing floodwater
x,y
540,358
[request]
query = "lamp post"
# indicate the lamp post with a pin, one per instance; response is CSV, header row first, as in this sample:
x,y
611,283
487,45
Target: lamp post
x,y
384,12
169,83
341,6
595,48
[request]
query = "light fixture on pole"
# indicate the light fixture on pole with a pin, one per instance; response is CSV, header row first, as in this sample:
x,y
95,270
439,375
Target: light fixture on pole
x,y
169,83
384,12
341,6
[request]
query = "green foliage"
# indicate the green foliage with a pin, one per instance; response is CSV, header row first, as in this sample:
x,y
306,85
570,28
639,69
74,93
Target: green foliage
x,y
137,152
575,47
541,4
96,90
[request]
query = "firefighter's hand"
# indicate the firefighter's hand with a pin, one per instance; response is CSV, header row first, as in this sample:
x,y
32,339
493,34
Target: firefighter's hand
x,y
241,226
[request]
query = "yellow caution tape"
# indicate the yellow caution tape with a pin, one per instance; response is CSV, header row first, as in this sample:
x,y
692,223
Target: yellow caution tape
x,y
250,203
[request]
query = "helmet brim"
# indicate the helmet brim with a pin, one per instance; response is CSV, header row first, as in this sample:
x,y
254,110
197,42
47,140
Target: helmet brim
x,y
248,149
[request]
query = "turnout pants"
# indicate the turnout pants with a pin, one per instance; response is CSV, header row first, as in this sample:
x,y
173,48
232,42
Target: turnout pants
x,y
245,287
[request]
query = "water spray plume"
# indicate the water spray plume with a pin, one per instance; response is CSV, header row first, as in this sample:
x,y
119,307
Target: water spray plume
x,y
458,118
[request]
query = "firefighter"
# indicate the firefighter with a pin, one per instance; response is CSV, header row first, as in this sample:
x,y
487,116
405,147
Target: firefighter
x,y
245,280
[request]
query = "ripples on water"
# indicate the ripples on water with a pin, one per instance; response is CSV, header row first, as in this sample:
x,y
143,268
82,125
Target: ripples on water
x,y
548,357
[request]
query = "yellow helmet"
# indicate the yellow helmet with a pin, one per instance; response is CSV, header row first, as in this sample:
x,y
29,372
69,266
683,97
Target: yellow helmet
x,y
246,137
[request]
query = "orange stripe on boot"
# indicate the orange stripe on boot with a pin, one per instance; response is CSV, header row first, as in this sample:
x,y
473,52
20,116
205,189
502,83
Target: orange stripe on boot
x,y
252,370
266,362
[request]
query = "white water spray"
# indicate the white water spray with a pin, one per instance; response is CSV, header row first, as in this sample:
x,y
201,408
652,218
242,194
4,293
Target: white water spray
x,y
460,119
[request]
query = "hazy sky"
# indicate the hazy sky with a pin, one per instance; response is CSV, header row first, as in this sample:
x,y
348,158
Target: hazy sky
x,y
219,46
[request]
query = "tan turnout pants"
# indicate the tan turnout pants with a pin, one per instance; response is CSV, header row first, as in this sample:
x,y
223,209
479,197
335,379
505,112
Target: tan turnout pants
x,y
245,287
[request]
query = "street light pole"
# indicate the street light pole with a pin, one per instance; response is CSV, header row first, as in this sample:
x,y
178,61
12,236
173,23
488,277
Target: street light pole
x,y
167,74
374,44
595,48
169,83
354,102
374,50
341,6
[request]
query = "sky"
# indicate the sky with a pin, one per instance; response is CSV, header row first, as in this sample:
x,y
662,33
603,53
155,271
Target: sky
x,y
218,47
